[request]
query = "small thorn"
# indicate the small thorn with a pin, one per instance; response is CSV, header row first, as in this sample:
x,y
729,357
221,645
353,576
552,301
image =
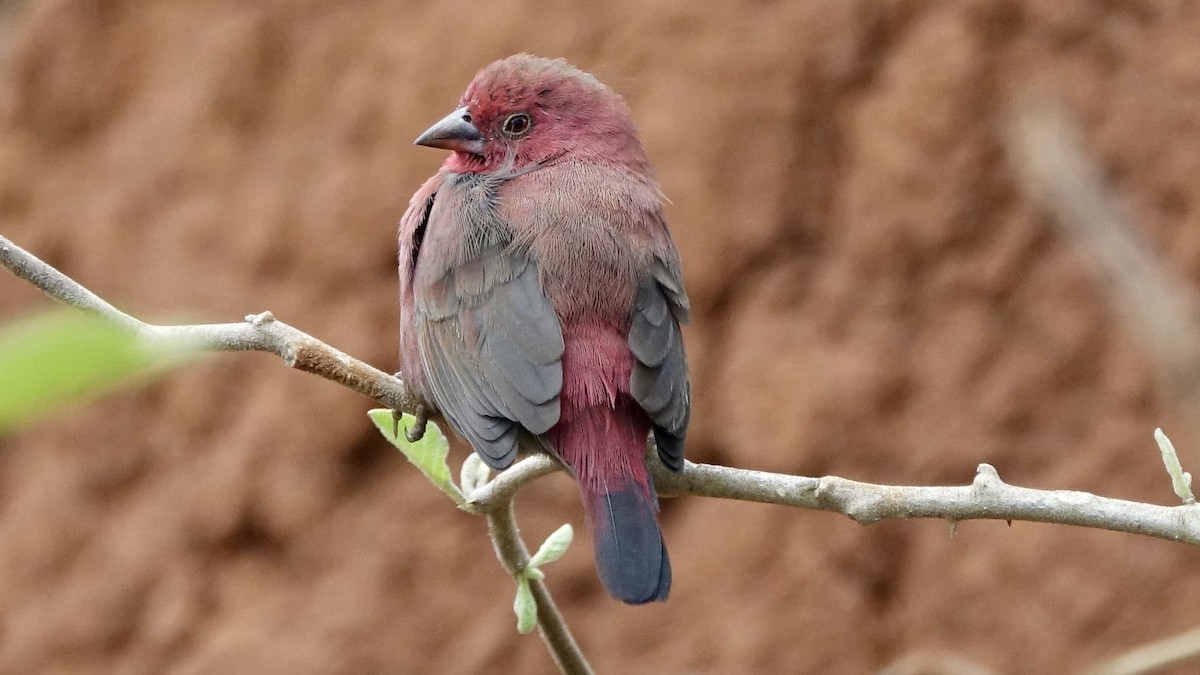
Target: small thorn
x,y
260,318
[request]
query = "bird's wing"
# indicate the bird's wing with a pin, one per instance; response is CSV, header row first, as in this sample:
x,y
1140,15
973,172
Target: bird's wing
x,y
413,226
490,342
659,381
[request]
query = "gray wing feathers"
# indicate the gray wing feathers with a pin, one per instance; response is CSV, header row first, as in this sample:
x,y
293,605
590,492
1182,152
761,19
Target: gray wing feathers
x,y
659,382
492,349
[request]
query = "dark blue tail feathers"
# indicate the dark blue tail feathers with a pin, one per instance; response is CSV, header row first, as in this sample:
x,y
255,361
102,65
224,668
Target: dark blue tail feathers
x,y
630,554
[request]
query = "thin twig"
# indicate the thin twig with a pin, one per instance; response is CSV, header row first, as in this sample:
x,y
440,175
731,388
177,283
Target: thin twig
x,y
61,287
986,498
510,549
259,332
505,485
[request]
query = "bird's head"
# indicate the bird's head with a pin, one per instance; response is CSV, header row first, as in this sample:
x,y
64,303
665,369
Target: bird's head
x,y
525,110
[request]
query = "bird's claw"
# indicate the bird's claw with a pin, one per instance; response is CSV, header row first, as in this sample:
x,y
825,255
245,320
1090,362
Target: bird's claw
x,y
418,430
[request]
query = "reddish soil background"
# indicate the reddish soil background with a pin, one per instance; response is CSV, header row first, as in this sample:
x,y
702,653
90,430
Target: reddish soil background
x,y
875,298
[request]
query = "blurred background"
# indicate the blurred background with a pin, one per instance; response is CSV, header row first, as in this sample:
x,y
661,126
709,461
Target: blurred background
x,y
874,297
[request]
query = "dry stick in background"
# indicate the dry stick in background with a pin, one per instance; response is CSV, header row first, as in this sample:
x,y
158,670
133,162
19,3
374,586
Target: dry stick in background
x,y
1163,310
1046,148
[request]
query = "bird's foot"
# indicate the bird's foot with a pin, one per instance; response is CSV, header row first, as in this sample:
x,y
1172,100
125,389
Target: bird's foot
x,y
417,431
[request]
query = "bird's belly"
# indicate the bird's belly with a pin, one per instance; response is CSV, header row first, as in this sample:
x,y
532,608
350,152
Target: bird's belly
x,y
596,364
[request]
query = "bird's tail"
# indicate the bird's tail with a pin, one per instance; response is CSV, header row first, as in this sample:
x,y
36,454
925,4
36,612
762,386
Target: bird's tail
x,y
630,554
606,448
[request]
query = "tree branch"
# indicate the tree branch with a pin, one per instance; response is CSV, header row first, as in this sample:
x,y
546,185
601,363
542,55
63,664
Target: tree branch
x,y
505,485
510,549
986,498
259,332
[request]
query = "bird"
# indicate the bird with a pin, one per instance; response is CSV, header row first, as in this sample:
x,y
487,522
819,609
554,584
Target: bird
x,y
541,299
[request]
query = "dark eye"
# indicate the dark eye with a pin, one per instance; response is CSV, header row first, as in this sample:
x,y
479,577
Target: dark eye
x,y
517,125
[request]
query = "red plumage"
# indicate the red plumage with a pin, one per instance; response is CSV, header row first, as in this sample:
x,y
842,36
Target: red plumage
x,y
541,297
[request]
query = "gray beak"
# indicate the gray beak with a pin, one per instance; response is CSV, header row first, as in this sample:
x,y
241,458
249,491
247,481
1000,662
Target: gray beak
x,y
453,132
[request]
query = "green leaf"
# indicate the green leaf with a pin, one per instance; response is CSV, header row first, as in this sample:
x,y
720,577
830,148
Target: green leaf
x,y
54,358
525,607
1181,480
554,547
428,454
474,474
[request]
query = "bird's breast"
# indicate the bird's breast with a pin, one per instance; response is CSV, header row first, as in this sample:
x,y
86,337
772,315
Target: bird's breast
x,y
586,228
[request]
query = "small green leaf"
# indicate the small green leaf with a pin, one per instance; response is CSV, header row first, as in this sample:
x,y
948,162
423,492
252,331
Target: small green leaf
x,y
524,607
474,474
534,574
1181,480
554,547
428,454
57,357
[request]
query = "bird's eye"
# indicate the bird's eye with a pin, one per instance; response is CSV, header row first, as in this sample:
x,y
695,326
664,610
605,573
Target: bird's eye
x,y
517,125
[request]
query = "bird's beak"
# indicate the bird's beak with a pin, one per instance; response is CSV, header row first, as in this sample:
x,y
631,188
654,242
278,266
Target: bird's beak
x,y
453,132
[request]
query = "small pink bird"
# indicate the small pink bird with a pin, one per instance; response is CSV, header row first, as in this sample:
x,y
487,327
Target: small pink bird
x,y
541,297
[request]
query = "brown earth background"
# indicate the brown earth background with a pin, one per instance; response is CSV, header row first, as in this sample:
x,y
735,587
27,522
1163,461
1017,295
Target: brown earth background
x,y
875,298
